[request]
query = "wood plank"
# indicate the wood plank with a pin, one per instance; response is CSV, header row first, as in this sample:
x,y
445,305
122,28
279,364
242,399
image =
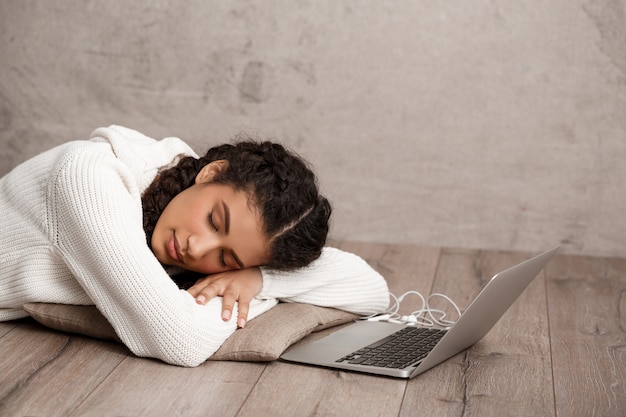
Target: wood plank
x,y
587,308
24,352
294,390
7,326
75,366
512,364
144,387
478,381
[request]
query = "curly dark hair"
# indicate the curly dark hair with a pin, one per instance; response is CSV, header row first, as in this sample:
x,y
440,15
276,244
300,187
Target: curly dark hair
x,y
278,182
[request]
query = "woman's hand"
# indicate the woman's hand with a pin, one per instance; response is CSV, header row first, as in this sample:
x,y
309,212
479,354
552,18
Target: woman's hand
x,y
240,286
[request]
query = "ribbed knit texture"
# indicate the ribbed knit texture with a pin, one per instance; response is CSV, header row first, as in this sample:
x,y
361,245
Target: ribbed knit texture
x,y
71,232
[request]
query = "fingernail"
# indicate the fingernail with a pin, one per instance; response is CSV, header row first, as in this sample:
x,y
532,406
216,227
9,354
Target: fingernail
x,y
242,323
226,315
201,299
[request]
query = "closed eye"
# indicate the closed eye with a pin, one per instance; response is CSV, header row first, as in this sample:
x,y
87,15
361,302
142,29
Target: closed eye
x,y
222,261
211,222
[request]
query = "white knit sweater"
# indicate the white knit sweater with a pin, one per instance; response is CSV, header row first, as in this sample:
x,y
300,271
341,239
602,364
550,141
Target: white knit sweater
x,y
71,232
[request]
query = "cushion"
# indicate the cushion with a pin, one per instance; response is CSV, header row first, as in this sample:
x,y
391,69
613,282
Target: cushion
x,y
85,320
264,338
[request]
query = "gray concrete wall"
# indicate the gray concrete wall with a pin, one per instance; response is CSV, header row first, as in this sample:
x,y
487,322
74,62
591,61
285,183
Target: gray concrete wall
x,y
484,124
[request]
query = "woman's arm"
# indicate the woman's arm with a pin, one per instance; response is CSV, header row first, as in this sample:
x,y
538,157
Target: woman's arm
x,y
336,279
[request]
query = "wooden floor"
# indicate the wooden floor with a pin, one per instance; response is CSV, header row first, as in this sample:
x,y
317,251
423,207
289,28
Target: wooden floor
x,y
559,351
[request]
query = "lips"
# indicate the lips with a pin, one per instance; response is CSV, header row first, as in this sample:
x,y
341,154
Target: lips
x,y
174,249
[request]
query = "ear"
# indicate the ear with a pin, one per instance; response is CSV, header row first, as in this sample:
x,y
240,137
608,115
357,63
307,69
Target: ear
x,y
211,170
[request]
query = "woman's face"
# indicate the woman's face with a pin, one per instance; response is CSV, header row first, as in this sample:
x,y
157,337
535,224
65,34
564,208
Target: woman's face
x,y
210,228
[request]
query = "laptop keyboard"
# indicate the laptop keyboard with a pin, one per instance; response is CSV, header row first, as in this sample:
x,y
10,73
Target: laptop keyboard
x,y
399,350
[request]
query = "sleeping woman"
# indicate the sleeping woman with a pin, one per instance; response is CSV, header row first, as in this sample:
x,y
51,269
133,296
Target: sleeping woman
x,y
176,251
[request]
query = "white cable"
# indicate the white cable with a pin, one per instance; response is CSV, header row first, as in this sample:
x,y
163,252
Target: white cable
x,y
441,321
419,316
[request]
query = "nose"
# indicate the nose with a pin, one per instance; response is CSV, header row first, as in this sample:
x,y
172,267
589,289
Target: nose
x,y
198,246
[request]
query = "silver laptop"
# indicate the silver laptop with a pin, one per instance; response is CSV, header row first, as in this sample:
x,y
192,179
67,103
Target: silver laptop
x,y
372,346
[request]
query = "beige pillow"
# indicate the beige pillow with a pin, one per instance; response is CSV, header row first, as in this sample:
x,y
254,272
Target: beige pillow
x,y
264,338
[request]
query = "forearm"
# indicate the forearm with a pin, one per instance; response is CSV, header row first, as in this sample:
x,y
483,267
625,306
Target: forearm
x,y
337,279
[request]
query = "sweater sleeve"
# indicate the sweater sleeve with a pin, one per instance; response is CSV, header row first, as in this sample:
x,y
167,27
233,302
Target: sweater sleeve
x,y
336,279
94,219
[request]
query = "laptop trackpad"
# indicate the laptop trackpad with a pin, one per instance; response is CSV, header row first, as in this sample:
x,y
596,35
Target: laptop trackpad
x,y
341,342
360,334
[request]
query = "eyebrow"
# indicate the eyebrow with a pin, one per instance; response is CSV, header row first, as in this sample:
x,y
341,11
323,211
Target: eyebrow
x,y
226,217
226,230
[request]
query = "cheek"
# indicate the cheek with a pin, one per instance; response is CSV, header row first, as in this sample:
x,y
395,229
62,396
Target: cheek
x,y
259,252
188,205
192,217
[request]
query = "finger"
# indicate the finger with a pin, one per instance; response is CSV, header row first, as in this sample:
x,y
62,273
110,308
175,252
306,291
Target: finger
x,y
208,292
198,286
228,301
243,308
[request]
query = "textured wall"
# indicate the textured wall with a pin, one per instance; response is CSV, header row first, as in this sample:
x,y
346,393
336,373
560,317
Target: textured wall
x,y
495,124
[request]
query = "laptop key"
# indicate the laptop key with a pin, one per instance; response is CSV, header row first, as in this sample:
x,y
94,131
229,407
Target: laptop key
x,y
403,348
